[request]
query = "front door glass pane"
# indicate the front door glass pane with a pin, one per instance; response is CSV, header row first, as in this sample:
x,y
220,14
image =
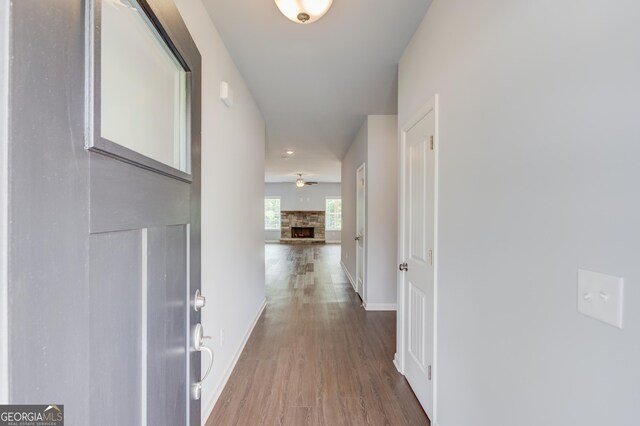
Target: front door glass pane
x,y
143,96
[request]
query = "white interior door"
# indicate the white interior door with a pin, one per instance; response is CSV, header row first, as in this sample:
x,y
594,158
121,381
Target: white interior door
x,y
360,229
418,248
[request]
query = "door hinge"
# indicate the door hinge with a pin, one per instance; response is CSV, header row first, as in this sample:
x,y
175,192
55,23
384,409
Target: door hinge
x,y
429,373
430,257
431,143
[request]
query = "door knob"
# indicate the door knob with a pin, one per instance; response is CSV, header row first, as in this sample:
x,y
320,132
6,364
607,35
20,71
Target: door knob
x,y
198,345
357,238
404,266
199,301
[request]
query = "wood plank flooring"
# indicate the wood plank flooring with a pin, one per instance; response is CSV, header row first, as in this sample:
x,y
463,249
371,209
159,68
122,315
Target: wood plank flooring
x,y
315,356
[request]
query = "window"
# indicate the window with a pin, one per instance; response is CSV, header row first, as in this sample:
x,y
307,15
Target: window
x,y
272,213
141,107
333,214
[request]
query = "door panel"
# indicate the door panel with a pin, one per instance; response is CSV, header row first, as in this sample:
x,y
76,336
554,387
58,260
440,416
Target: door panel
x,y
417,200
419,240
117,280
167,341
139,289
417,302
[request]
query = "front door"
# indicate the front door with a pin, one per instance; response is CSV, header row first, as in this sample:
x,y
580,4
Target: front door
x,y
144,231
105,225
419,238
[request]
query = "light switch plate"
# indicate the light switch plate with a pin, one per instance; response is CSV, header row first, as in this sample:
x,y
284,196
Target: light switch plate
x,y
226,94
600,296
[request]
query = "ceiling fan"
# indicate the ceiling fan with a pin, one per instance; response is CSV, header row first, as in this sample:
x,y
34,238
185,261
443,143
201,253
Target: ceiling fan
x,y
300,182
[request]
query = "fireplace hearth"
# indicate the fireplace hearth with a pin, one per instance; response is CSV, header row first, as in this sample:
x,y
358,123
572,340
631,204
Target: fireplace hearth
x,y
302,232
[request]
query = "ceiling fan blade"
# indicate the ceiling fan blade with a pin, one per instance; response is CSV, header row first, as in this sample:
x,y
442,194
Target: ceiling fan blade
x,y
311,183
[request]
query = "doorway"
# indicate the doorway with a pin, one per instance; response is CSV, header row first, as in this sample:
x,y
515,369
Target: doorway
x,y
360,230
417,254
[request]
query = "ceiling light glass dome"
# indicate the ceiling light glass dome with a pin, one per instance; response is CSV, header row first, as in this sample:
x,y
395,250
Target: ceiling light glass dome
x,y
304,11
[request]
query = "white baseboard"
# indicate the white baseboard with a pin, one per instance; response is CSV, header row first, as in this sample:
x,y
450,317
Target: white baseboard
x,y
380,306
223,382
349,277
396,362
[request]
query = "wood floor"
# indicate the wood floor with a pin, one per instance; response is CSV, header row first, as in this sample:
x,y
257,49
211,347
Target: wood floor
x,y
315,356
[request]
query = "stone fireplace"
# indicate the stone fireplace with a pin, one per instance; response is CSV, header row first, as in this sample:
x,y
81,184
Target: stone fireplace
x,y
302,226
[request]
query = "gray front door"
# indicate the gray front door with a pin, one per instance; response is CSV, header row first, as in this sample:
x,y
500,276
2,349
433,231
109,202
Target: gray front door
x,y
104,238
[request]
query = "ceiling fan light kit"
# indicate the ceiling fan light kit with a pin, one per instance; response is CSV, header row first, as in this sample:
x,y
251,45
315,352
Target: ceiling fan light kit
x,y
304,11
300,183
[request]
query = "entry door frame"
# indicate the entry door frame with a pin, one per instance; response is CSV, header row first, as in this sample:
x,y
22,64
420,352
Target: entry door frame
x,y
399,358
363,168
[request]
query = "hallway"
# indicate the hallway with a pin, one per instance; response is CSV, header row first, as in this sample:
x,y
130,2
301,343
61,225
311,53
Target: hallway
x,y
315,356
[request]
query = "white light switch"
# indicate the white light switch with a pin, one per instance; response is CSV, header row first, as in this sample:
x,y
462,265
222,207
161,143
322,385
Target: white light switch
x,y
600,296
226,94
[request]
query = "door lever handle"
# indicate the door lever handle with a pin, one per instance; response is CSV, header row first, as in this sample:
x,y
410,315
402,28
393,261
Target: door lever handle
x,y
357,238
198,345
403,266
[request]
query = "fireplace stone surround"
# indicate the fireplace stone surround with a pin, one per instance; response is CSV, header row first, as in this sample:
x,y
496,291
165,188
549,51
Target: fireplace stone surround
x,y
302,219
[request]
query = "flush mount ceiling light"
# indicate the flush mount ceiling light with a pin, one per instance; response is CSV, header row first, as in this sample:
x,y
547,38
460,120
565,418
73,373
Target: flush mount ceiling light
x,y
304,11
289,152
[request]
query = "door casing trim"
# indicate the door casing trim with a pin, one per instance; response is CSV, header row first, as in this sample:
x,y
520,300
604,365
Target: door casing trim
x,y
362,167
399,357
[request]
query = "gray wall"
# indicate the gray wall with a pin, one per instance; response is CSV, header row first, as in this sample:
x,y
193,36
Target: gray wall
x,y
311,197
539,176
375,143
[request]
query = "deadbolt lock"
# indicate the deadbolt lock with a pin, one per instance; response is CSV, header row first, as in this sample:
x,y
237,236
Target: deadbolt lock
x,y
199,301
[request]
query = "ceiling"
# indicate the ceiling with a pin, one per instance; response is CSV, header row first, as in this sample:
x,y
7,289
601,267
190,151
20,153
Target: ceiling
x,y
315,83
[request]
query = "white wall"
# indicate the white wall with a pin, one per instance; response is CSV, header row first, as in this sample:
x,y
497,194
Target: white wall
x,y
374,144
232,148
382,213
539,175
310,197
